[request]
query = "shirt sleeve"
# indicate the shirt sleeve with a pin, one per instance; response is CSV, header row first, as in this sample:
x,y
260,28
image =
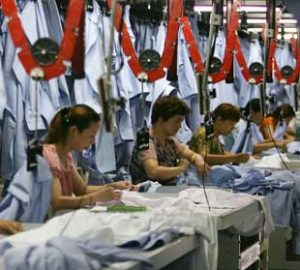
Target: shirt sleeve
x,y
267,121
148,153
198,142
52,160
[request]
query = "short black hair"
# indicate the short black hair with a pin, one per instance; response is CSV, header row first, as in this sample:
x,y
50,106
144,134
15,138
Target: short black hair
x,y
284,111
252,106
227,111
167,107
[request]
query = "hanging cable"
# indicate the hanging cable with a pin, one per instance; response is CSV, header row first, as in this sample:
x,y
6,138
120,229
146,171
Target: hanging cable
x,y
142,136
215,21
104,84
203,179
34,146
143,103
277,148
36,112
269,35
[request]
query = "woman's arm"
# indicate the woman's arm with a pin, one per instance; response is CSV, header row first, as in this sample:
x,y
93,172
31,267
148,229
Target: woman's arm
x,y
212,159
60,201
288,137
267,131
265,145
10,226
119,185
81,188
161,173
195,159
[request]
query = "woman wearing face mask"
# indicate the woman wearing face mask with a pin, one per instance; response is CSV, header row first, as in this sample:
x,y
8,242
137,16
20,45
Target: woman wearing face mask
x,y
166,157
74,129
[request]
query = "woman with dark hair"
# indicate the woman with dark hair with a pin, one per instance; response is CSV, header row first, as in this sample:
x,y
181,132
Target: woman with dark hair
x,y
74,129
250,125
166,157
224,117
279,119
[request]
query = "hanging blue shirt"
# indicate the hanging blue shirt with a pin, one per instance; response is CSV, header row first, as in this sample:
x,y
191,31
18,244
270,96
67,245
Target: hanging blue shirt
x,y
29,194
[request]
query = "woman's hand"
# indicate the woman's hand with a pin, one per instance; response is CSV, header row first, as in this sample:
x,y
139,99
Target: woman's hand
x,y
202,168
200,165
183,164
9,226
242,158
282,145
106,194
122,185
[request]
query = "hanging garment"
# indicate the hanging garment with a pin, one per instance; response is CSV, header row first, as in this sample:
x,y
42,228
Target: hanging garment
x,y
13,138
194,119
187,83
58,91
155,89
53,94
277,93
186,75
225,92
125,83
86,90
2,93
22,89
2,84
246,137
29,194
284,57
202,41
247,91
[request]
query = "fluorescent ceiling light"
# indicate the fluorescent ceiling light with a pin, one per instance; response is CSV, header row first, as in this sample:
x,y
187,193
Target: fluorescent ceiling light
x,y
291,30
253,9
287,21
203,8
256,21
242,8
287,36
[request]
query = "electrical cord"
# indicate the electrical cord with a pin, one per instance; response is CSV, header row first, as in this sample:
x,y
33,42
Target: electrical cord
x,y
203,182
203,176
277,148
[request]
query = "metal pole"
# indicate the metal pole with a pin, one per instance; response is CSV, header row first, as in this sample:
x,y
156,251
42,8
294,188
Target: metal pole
x,y
104,87
269,35
215,20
